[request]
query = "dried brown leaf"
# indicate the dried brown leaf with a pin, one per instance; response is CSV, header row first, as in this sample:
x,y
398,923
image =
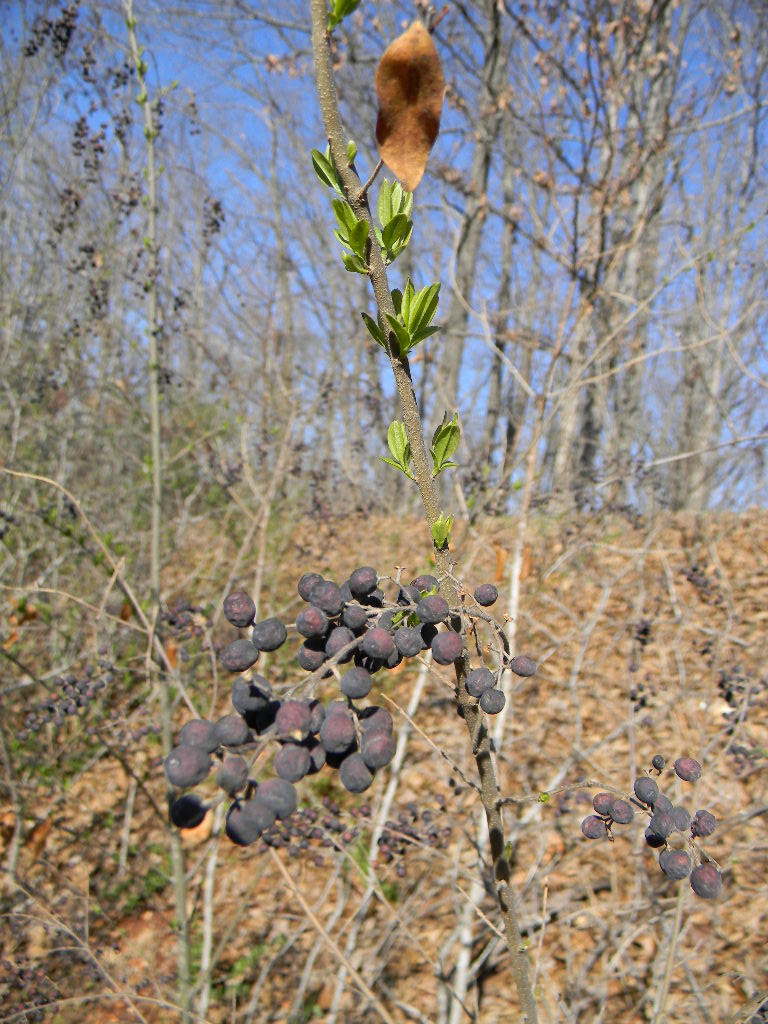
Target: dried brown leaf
x,y
410,87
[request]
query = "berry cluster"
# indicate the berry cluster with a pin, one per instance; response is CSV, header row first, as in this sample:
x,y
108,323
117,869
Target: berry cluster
x,y
352,625
666,820
70,695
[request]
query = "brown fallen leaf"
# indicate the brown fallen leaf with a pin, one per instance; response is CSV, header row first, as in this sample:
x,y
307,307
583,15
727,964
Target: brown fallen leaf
x,y
410,87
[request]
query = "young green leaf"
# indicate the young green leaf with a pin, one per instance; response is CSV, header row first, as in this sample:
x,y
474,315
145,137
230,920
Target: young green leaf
x,y
402,335
325,171
397,440
358,237
445,441
384,205
423,307
395,230
441,530
374,330
399,447
339,10
354,263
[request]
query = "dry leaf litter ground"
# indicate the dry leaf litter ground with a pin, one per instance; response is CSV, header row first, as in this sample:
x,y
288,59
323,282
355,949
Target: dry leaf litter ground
x,y
648,641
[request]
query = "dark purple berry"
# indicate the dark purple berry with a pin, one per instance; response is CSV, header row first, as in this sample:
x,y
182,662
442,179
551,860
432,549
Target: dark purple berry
x,y
681,818
337,733
375,717
355,618
247,819
706,881
522,665
408,641
239,609
198,733
658,762
622,812
479,680
316,755
424,582
354,773
232,774
279,795
653,840
378,643
486,595
239,656
428,633
188,811
251,695
232,731
646,790
447,647
312,621
311,654
593,827
186,766
307,581
687,769
408,595
363,582
293,720
492,701
377,747
432,609
269,634
328,597
292,762
602,803
339,637
662,824
675,863
662,803
356,683
336,707
703,824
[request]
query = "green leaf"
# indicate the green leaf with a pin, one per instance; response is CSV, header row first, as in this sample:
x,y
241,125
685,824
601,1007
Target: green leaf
x,y
423,308
445,441
344,214
441,530
384,205
339,11
403,469
397,441
425,332
358,237
544,798
374,330
402,335
325,171
353,263
405,312
395,230
351,151
397,300
400,449
402,242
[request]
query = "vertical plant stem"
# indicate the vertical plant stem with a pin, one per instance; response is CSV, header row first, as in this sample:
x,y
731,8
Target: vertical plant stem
x,y
153,330
422,468
659,1014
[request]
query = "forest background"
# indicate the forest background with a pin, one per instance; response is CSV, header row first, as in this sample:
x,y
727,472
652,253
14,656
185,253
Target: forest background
x,y
595,207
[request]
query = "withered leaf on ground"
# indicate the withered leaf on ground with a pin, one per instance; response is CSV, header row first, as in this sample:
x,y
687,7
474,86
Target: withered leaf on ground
x,y
410,87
